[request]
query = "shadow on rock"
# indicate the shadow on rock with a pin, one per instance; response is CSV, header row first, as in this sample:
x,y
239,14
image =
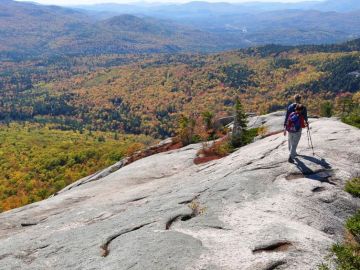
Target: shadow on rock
x,y
321,161
323,174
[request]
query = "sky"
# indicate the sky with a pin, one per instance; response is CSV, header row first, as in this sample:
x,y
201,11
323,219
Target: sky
x,y
82,2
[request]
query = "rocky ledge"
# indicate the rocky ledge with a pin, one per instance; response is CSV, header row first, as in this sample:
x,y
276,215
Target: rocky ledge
x,y
249,210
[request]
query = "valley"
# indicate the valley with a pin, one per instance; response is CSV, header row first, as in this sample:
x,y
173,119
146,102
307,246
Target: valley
x,y
147,94
75,72
151,135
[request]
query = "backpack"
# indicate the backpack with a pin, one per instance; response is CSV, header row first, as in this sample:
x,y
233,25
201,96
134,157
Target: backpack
x,y
293,123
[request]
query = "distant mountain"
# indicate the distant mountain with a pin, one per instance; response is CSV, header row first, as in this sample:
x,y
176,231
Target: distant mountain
x,y
340,6
327,5
257,22
29,29
131,23
201,8
294,27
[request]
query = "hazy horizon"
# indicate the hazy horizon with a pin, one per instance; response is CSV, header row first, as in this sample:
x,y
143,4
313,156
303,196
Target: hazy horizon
x,y
89,2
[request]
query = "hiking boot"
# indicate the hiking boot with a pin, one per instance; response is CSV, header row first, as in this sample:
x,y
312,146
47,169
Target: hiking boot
x,y
291,160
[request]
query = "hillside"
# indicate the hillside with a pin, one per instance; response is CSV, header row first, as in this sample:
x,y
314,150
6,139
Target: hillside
x,y
294,27
346,5
38,160
250,210
199,8
256,23
148,95
30,30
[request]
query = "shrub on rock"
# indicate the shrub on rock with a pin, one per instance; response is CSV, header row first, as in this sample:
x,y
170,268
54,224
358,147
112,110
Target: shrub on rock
x,y
353,187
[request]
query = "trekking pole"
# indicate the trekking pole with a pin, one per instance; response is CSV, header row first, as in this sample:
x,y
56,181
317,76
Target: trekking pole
x,y
310,141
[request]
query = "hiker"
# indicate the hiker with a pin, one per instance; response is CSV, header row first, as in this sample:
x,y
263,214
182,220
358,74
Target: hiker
x,y
296,119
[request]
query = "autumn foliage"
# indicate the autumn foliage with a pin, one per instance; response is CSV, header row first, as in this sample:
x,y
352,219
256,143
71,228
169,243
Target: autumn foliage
x,y
37,161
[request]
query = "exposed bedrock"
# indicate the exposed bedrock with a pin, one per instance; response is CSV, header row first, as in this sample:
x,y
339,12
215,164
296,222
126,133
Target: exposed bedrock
x,y
249,210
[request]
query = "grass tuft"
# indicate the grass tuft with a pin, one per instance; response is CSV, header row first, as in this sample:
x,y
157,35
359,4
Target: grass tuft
x,y
347,256
353,225
353,187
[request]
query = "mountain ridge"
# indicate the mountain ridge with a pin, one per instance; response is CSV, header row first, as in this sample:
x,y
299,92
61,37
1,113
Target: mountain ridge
x,y
72,32
30,30
329,5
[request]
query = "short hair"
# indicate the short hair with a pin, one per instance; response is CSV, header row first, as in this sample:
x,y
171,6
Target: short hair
x,y
297,98
299,107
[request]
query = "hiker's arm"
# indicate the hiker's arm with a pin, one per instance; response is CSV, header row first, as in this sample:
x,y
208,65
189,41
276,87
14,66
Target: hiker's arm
x,y
285,123
287,116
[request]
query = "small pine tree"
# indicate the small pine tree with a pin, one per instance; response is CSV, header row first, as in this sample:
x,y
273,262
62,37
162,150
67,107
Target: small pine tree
x,y
326,109
186,129
208,118
240,124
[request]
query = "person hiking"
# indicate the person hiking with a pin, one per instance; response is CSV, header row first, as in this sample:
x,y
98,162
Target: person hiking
x,y
296,119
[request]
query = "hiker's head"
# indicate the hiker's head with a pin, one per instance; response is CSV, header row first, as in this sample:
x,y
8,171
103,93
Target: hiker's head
x,y
297,98
299,108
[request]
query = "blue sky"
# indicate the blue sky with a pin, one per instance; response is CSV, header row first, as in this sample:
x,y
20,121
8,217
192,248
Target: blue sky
x,y
77,2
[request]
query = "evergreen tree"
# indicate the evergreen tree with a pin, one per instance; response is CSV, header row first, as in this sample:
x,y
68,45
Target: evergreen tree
x,y
240,124
208,118
326,109
186,130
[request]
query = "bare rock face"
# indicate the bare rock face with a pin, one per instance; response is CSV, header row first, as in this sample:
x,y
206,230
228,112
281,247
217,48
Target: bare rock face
x,y
273,122
250,210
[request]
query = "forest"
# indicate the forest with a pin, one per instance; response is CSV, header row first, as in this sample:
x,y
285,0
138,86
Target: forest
x,y
147,94
37,160
65,117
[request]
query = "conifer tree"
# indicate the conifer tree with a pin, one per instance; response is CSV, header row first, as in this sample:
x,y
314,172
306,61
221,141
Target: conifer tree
x,y
240,123
326,109
208,120
186,129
